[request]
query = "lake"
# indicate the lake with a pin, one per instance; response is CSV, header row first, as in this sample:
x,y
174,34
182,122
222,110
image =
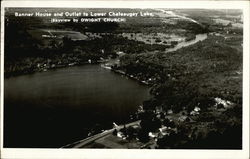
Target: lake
x,y
57,107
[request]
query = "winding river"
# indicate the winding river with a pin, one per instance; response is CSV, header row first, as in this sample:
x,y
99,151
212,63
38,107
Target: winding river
x,y
198,37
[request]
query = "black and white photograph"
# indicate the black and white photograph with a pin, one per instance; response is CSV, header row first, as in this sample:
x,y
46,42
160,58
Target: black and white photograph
x,y
91,78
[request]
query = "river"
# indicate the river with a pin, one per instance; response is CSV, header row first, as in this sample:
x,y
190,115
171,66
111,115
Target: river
x,y
198,37
57,107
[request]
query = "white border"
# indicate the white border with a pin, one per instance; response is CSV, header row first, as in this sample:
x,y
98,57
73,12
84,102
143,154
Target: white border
x,y
145,154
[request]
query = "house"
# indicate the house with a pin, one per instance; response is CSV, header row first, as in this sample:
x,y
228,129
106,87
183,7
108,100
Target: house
x,y
196,111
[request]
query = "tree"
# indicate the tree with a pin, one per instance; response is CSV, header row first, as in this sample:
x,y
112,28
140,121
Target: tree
x,y
143,135
114,132
131,133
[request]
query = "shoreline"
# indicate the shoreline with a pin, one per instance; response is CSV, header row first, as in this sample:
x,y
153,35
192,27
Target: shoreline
x,y
131,77
110,64
87,140
44,66
66,65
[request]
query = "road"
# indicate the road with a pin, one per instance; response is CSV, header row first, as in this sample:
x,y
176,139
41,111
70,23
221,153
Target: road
x,y
90,139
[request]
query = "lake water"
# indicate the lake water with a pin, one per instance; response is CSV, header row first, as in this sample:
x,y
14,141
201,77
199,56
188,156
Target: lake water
x,y
57,107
